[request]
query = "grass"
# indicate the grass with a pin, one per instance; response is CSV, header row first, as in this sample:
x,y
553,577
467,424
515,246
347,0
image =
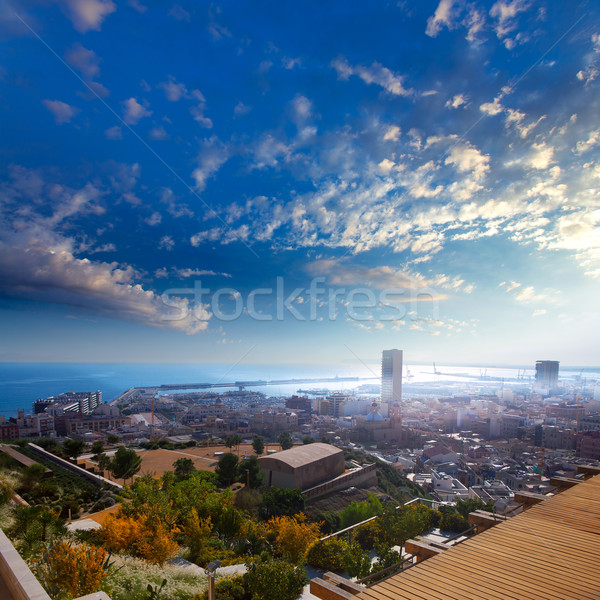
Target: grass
x,y
129,579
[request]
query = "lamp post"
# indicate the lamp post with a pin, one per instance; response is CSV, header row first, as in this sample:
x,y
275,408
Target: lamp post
x,y
210,569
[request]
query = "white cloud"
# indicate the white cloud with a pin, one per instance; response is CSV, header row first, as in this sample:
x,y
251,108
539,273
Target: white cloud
x,y
213,154
440,18
154,219
585,145
166,243
492,108
505,13
88,15
114,133
134,111
539,312
63,112
392,133
173,91
241,109
540,156
376,73
386,165
40,263
468,159
84,60
158,133
457,101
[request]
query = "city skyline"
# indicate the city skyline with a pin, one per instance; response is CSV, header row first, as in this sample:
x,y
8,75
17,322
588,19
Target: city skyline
x,y
191,182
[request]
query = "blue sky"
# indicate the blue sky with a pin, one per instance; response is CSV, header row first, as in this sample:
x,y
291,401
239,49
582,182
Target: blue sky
x,y
278,182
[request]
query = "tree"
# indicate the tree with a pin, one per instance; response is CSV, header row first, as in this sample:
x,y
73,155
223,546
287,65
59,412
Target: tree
x,y
279,501
31,476
307,439
237,440
285,440
103,462
258,445
184,467
112,438
249,472
464,507
125,464
293,536
73,448
230,441
227,469
97,449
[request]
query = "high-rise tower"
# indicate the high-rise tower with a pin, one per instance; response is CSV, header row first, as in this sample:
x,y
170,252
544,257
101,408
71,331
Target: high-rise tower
x,y
391,376
546,373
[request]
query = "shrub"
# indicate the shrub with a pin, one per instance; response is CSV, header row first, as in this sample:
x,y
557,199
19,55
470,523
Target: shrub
x,y
454,522
327,555
230,588
367,535
273,580
292,536
68,571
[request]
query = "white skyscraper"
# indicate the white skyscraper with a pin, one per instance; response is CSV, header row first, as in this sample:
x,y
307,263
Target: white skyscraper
x,y
391,376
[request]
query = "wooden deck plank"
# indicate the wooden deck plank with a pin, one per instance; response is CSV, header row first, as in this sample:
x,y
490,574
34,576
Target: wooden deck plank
x,y
549,551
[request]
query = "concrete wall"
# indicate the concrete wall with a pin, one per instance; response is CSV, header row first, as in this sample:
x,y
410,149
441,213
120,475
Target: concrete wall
x,y
67,465
366,475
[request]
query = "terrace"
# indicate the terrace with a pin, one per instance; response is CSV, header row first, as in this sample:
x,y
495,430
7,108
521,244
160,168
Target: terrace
x,y
549,550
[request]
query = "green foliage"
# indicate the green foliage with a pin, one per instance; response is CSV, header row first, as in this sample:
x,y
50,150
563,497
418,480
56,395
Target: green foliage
x,y
454,522
356,512
327,555
357,562
329,519
307,439
154,592
125,463
335,554
258,445
464,507
34,526
226,469
285,440
111,438
31,476
184,467
97,449
73,448
268,579
278,502
229,588
250,470
367,535
50,445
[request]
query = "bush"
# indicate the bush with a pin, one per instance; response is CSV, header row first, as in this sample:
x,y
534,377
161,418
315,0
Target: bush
x,y
230,588
327,555
273,580
68,571
367,535
454,522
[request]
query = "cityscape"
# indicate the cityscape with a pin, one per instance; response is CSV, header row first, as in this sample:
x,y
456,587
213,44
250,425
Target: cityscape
x,y
299,301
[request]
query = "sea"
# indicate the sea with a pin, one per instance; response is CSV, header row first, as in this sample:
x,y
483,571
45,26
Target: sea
x,y
23,383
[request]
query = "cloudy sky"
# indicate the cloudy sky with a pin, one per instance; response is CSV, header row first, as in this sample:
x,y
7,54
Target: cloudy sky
x,y
300,182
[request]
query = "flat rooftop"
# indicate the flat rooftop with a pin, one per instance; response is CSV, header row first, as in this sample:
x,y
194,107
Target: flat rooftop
x,y
549,551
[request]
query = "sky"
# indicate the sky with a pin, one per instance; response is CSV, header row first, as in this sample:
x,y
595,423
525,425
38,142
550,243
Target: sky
x,y
300,182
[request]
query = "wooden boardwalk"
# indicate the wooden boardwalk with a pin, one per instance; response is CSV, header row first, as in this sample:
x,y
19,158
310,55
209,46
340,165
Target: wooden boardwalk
x,y
550,551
